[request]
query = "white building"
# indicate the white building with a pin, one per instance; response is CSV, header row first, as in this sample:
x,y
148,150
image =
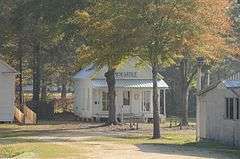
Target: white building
x,y
7,92
133,91
220,112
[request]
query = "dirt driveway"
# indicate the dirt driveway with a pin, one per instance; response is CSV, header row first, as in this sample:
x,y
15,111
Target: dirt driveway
x,y
113,151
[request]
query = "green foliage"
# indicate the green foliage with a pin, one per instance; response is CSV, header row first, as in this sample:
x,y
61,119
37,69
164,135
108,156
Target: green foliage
x,y
39,22
165,25
108,31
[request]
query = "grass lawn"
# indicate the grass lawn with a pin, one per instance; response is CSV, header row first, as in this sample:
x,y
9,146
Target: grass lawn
x,y
80,141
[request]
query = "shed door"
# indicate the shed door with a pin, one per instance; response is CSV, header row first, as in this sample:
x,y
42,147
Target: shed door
x,y
96,102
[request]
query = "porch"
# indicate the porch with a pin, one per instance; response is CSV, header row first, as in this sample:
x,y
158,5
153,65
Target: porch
x,y
133,99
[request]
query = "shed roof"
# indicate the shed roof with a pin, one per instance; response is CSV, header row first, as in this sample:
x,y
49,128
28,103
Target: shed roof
x,y
232,83
130,83
229,84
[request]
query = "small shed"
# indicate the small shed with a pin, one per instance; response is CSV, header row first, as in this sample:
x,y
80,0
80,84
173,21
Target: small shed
x,y
220,112
133,91
7,92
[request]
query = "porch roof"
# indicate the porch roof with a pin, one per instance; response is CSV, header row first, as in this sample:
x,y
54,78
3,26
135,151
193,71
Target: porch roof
x,y
130,83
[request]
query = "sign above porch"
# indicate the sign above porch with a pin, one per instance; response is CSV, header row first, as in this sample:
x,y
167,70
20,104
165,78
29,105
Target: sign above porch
x,y
120,75
128,69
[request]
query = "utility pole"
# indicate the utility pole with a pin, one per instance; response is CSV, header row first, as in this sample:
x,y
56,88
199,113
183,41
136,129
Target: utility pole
x,y
200,63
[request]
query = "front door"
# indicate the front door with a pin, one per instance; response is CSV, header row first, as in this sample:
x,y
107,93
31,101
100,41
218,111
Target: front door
x,y
147,101
126,102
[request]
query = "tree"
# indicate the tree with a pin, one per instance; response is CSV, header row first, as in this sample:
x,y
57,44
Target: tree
x,y
173,31
214,27
40,23
108,36
164,25
13,44
234,39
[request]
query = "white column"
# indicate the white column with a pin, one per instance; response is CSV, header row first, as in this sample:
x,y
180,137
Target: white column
x,y
164,96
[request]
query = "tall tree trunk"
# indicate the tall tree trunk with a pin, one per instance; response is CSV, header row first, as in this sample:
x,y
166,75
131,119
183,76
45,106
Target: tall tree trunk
x,y
20,59
36,76
184,93
20,84
184,105
156,116
111,81
64,90
44,91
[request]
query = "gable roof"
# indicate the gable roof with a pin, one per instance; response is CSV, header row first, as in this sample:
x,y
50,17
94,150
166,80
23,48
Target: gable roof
x,y
91,71
209,88
85,73
8,67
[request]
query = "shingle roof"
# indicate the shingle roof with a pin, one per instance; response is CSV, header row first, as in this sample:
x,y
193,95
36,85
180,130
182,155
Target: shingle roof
x,y
130,83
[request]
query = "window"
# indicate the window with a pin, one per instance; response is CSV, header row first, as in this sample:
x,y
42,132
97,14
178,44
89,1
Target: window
x,y
237,107
227,108
232,108
104,101
126,97
147,101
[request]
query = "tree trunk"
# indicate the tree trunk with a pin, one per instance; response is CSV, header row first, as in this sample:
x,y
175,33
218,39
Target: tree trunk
x,y
156,117
184,105
44,91
111,81
20,53
64,91
36,76
184,93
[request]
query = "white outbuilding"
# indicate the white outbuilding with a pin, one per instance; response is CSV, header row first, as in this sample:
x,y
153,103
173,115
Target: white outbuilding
x,y
133,91
7,92
220,111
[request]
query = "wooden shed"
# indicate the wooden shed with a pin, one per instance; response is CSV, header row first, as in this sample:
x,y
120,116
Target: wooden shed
x,y
220,112
7,92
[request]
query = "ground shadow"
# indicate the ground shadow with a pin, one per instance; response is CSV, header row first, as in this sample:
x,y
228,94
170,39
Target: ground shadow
x,y
201,149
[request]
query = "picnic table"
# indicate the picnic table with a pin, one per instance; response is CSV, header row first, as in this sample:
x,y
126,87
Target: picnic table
x,y
133,120
174,121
